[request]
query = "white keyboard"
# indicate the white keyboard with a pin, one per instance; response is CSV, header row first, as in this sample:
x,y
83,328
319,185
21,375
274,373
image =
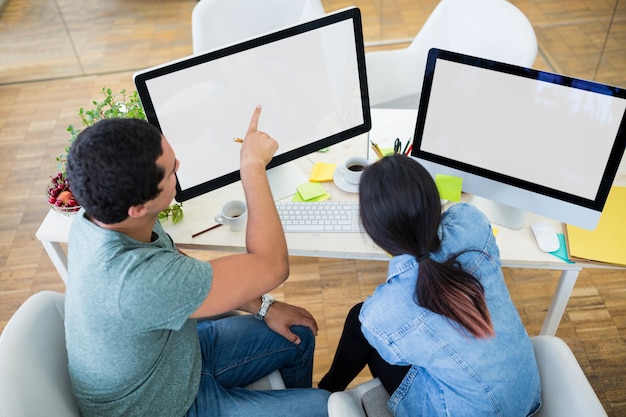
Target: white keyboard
x,y
325,216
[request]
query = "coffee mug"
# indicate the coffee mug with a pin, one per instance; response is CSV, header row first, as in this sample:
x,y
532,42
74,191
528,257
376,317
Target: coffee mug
x,y
354,167
234,214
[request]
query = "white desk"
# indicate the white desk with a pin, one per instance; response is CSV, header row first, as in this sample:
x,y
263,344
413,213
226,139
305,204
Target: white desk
x,y
518,248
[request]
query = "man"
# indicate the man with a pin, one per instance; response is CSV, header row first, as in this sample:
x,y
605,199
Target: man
x,y
134,346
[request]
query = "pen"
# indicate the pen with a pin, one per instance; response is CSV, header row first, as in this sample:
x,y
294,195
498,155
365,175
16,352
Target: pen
x,y
376,149
377,152
238,140
206,230
408,151
406,146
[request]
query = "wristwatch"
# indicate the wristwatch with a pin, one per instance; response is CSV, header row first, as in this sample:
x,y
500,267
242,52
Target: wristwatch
x,y
266,301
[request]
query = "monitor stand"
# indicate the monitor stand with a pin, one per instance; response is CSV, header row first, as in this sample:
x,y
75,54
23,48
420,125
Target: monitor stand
x,y
284,179
500,214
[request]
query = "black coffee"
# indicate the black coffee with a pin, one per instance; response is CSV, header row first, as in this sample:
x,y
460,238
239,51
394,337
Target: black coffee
x,y
356,167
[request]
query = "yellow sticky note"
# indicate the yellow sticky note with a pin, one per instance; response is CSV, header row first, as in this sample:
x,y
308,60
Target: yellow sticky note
x,y
310,190
449,187
322,171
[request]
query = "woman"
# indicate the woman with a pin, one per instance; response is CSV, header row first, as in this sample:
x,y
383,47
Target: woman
x,y
441,333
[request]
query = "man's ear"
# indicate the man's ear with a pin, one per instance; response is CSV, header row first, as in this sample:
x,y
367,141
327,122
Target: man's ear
x,y
137,211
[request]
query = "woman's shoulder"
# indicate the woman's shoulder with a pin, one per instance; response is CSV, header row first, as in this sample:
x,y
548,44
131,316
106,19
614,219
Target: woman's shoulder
x,y
465,218
393,298
463,226
463,213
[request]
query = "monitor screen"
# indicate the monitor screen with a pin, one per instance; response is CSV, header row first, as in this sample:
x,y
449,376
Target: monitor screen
x,y
310,80
533,140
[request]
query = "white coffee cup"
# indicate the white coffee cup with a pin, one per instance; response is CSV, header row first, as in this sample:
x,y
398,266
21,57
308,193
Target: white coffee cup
x,y
354,167
234,214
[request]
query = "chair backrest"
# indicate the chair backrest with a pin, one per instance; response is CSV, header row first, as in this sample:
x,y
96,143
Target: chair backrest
x,y
565,390
34,380
493,29
216,23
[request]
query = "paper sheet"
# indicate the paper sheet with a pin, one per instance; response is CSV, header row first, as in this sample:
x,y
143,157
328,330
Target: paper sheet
x,y
607,243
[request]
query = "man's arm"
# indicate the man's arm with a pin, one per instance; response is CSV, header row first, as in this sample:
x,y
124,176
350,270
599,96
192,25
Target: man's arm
x,y
242,278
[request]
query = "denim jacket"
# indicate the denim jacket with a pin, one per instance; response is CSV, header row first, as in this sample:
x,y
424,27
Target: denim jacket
x,y
452,373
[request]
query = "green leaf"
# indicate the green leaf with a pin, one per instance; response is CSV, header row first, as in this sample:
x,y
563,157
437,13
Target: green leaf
x,y
177,213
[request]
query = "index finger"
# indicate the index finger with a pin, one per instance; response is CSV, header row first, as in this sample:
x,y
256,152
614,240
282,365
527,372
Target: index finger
x,y
254,121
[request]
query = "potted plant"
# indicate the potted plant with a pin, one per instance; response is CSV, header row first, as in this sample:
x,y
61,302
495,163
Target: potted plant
x,y
58,191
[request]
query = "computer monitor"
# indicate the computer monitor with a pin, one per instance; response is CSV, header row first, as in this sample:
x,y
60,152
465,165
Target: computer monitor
x,y
310,80
526,139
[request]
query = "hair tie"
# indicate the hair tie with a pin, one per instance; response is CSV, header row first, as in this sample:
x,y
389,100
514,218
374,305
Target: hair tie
x,y
422,257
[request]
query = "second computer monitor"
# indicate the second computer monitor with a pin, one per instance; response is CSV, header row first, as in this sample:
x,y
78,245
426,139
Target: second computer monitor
x,y
531,140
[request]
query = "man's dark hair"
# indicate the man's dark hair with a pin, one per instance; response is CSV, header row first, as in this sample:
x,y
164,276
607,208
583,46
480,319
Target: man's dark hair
x,y
111,166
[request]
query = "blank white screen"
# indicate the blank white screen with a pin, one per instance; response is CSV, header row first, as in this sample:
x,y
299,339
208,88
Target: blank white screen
x,y
308,85
547,134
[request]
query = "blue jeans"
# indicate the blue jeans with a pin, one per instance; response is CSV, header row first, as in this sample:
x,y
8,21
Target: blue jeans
x,y
239,350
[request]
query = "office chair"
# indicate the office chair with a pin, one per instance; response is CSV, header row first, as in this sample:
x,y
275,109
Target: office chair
x,y
34,379
493,29
217,23
565,391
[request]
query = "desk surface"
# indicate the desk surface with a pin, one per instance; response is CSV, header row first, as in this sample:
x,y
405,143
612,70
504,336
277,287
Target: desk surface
x,y
517,247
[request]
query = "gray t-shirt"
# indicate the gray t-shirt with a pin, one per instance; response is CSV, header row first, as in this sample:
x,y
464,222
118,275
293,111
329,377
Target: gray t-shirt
x,y
132,349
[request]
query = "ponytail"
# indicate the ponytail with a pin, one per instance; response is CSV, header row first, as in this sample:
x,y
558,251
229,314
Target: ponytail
x,y
446,289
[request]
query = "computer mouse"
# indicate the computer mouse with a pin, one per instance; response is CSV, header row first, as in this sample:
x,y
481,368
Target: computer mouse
x,y
546,236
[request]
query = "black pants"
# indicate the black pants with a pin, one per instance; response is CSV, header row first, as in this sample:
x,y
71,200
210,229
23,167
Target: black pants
x,y
353,353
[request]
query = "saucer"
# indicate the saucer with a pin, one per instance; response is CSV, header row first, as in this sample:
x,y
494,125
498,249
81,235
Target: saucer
x,y
342,183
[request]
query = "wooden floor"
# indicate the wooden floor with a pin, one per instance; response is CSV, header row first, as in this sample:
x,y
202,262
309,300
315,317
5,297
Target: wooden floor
x,y
56,55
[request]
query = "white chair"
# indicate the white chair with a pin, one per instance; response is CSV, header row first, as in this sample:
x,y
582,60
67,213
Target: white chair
x,y
34,380
492,29
217,23
565,391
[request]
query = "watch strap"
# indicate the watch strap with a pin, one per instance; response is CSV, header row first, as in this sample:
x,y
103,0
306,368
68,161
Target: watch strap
x,y
266,301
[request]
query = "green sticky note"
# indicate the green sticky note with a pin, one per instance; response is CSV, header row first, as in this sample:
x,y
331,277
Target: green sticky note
x,y
297,198
449,187
310,190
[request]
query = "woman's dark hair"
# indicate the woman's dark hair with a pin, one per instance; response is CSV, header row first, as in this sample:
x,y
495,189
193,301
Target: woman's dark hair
x,y
401,212
111,166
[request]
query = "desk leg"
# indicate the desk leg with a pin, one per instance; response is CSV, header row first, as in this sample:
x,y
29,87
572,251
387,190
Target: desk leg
x,y
57,256
559,301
